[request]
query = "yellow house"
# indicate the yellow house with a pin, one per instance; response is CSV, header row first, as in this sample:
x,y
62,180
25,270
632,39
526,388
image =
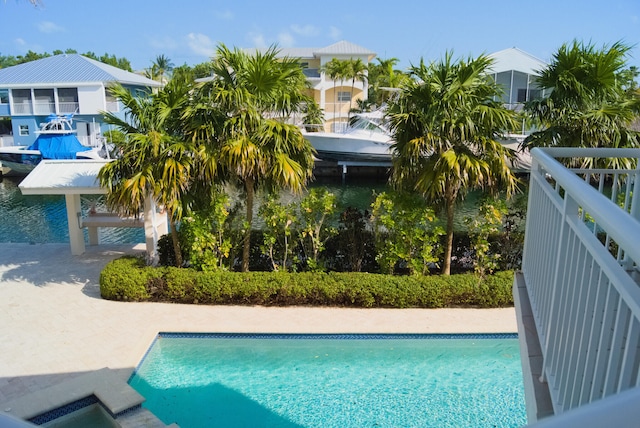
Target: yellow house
x,y
335,98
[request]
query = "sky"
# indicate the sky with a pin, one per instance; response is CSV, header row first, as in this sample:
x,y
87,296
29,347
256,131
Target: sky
x,y
188,31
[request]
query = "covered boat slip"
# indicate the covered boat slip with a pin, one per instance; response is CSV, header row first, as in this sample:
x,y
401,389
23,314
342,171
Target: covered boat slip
x,y
73,178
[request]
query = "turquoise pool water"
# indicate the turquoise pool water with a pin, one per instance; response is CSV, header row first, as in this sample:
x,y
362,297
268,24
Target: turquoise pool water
x,y
334,381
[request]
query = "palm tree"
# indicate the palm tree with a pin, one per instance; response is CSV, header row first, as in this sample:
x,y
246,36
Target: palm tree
x,y
162,66
588,105
241,123
154,160
445,126
336,70
356,70
383,76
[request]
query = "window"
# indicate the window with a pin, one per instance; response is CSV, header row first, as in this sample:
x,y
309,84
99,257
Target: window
x,y
68,95
24,130
344,97
22,96
4,96
68,100
522,95
534,94
44,101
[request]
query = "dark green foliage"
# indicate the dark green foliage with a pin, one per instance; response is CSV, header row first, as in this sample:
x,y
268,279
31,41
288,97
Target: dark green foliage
x,y
129,279
9,61
353,249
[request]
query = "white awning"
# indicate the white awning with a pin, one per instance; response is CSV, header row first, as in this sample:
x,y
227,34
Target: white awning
x,y
64,177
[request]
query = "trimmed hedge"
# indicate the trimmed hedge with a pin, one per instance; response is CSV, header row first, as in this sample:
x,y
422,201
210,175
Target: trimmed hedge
x,y
129,279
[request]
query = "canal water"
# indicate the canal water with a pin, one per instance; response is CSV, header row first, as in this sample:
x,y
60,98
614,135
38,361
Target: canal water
x,y
43,218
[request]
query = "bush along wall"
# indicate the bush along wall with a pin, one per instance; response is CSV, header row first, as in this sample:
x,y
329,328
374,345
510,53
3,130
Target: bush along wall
x,y
128,279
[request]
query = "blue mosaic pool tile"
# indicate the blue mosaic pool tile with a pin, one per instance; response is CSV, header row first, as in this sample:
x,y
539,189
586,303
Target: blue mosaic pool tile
x,y
54,414
64,410
127,411
339,336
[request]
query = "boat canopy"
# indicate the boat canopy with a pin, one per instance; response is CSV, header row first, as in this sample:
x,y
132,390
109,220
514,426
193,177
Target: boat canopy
x,y
54,146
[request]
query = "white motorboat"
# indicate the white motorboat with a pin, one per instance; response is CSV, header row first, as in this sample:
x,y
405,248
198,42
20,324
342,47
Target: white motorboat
x,y
56,140
365,139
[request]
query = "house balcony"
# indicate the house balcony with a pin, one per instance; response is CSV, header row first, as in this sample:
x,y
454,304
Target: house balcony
x,y
44,108
578,295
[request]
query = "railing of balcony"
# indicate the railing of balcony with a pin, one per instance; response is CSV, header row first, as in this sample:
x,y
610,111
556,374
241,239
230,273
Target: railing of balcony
x,y
22,108
580,264
44,108
68,107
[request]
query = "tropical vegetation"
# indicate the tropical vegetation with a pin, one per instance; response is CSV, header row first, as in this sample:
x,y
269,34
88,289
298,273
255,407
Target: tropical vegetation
x,y
190,145
446,126
238,119
591,100
129,279
155,161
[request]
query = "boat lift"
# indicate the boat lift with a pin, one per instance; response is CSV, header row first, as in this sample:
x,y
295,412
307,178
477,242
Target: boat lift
x,y
73,178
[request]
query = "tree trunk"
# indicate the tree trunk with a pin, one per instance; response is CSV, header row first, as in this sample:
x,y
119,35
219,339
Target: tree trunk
x,y
177,251
246,245
450,201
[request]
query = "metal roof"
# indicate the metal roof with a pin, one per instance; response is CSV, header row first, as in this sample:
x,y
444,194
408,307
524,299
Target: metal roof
x,y
344,48
64,177
517,60
69,68
339,48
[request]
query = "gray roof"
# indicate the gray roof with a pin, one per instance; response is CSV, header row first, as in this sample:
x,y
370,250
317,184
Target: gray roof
x,y
345,48
339,48
517,60
69,68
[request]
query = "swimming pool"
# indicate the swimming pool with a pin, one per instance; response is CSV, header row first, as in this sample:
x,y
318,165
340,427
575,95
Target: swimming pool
x,y
333,380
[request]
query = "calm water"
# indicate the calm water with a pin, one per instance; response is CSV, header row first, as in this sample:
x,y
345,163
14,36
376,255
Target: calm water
x,y
421,381
43,219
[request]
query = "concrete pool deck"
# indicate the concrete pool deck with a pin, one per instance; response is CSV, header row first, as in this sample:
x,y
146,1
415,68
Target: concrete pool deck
x,y
54,326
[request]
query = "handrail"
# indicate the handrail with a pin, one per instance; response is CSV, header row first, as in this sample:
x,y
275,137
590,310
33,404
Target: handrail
x,y
600,207
585,301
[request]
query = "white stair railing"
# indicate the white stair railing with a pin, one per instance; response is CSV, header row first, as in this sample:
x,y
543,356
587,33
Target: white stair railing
x,y
580,258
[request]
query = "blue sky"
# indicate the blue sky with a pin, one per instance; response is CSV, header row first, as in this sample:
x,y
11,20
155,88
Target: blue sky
x,y
187,31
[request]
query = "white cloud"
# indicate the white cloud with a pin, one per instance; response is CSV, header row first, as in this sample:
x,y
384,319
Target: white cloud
x,y
335,33
257,39
20,42
286,40
49,27
163,43
201,44
224,15
305,30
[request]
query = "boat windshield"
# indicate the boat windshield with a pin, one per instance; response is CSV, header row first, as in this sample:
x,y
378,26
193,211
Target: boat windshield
x,y
369,123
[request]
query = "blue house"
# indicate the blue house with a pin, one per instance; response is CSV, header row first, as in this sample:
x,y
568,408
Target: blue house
x,y
63,84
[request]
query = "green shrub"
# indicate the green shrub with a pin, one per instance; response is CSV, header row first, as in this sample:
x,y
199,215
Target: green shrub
x,y
129,279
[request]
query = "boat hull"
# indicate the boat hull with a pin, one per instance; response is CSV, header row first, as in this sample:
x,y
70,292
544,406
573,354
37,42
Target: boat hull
x,y
341,147
17,161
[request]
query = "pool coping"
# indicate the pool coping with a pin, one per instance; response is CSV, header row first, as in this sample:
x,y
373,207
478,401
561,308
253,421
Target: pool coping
x,y
115,396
